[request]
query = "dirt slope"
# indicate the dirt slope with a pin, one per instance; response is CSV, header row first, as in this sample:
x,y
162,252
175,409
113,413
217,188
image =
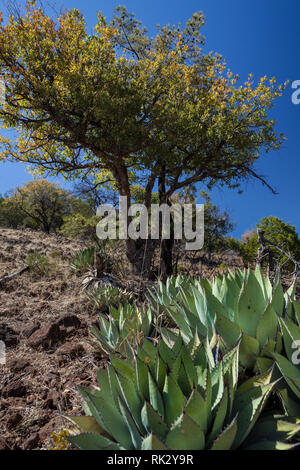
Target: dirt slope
x,y
44,322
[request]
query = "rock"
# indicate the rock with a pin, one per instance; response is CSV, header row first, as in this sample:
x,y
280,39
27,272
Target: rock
x,y
13,421
71,350
13,402
30,329
17,365
8,335
14,389
51,401
3,444
31,442
47,336
46,430
69,320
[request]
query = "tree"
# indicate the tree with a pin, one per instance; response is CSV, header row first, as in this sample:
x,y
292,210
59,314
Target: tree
x,y
43,203
281,234
10,215
217,224
128,108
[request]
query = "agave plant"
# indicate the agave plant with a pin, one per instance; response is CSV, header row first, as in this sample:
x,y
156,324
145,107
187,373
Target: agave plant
x,y
177,397
124,328
242,307
83,260
109,296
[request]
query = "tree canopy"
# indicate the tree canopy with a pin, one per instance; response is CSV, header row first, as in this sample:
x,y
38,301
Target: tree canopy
x,y
125,108
38,204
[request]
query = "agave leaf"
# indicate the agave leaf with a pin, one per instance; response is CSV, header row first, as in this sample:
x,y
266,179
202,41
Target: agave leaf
x,y
131,424
152,420
228,295
129,396
277,301
185,435
156,399
290,372
291,334
88,424
161,370
108,417
196,409
264,282
251,305
141,373
226,438
123,368
219,419
249,406
290,403
92,441
229,331
174,401
267,326
249,351
274,428
296,307
217,380
271,445
152,442
263,364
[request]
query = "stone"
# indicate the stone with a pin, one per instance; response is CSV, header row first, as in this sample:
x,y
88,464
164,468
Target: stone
x,y
47,429
51,401
45,337
17,365
30,329
3,444
14,389
31,442
13,421
71,350
69,320
8,335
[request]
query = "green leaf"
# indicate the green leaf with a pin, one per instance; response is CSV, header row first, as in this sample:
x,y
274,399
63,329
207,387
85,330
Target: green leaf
x,y
249,351
153,421
185,435
90,441
196,409
267,326
226,439
174,401
251,305
152,442
229,331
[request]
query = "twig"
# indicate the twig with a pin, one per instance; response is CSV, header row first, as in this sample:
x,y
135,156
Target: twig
x,y
11,276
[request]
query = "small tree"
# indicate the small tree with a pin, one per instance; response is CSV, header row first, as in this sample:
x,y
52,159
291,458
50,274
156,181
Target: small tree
x,y
217,225
124,106
42,203
279,233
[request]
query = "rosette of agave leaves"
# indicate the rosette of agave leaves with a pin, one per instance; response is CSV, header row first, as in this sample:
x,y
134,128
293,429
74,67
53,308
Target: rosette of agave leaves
x,y
242,308
180,396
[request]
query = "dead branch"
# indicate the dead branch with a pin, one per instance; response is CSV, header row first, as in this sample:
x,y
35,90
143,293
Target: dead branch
x,y
15,274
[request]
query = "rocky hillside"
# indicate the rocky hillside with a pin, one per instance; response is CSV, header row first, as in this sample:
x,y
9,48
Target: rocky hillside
x,y
44,323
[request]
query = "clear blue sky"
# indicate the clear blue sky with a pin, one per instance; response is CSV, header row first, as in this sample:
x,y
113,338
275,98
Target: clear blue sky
x,y
261,37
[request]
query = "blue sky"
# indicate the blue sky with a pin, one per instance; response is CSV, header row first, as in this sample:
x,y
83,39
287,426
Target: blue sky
x,y
260,37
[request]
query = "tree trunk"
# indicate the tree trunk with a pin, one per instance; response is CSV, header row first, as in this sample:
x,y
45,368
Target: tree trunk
x,y
166,251
139,252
